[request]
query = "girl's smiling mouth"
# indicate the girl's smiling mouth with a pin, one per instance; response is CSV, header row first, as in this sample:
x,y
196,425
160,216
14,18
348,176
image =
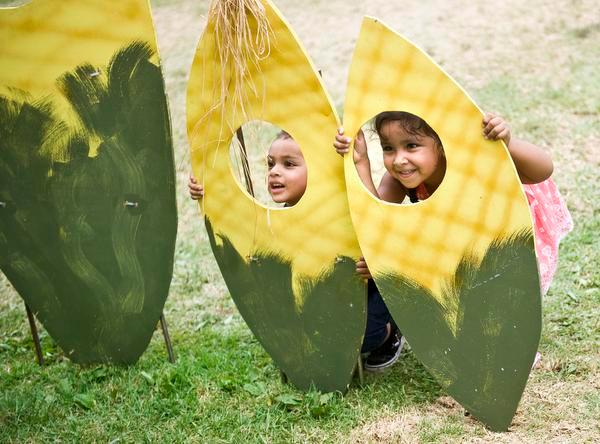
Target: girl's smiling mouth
x,y
406,173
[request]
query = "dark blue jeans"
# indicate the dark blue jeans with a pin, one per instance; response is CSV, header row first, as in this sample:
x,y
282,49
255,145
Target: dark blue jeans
x,y
378,317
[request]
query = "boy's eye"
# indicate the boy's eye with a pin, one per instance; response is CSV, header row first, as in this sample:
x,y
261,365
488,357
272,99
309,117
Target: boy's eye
x,y
270,163
289,163
387,148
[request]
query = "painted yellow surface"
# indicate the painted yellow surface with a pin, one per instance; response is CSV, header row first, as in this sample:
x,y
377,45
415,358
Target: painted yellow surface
x,y
44,38
290,95
481,196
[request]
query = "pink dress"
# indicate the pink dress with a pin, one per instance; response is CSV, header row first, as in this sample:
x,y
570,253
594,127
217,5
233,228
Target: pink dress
x,y
551,222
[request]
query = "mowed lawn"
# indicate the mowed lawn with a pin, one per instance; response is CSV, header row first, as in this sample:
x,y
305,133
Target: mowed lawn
x,y
534,63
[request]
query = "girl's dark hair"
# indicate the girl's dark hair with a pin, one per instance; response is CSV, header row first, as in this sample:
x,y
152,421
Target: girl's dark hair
x,y
410,123
413,125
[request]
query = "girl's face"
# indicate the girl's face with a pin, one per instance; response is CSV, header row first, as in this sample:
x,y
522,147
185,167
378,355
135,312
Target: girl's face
x,y
287,172
411,159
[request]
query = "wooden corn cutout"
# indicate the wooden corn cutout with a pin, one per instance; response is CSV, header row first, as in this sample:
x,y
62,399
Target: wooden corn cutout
x,y
87,232
458,270
290,271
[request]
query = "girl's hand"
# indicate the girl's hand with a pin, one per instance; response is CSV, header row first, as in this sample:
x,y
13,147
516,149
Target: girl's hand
x,y
495,127
362,269
342,145
533,164
196,190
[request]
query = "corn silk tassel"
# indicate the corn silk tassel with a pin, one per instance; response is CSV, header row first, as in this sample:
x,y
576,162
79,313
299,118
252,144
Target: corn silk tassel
x,y
243,38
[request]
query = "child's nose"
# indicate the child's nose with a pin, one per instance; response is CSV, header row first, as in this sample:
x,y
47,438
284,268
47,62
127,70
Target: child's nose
x,y
400,158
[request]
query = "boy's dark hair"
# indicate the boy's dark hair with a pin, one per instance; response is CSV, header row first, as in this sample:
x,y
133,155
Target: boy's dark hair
x,y
410,123
283,135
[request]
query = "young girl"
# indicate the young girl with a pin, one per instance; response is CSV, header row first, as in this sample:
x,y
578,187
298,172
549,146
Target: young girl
x,y
415,163
286,184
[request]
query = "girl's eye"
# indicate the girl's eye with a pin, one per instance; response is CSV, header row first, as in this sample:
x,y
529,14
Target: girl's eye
x,y
387,148
270,164
289,164
411,146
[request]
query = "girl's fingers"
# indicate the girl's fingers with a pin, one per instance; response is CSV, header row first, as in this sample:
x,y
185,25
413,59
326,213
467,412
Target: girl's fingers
x,y
486,118
493,134
492,123
503,134
493,128
500,129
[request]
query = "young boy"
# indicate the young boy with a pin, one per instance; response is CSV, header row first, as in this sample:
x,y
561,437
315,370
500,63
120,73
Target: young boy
x,y
287,178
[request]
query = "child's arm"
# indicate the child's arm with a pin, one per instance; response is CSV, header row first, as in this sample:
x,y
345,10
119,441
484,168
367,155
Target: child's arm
x,y
196,190
533,164
389,190
360,155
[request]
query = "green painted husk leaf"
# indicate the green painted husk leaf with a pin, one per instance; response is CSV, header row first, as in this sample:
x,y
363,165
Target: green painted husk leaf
x,y
315,345
482,360
95,269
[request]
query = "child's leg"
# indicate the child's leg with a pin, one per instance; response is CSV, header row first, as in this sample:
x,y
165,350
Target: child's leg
x,y
379,320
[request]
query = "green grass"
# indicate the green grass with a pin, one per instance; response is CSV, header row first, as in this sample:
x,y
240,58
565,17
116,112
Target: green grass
x,y
223,387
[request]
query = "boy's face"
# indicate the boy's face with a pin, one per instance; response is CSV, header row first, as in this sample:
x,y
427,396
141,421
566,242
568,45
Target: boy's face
x,y
410,159
287,172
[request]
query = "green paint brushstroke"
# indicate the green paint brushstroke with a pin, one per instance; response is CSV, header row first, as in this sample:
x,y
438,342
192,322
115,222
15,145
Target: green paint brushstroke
x,y
95,270
314,345
484,360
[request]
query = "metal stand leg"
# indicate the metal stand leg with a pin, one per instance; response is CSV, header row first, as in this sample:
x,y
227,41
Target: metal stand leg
x,y
165,330
359,370
34,334
283,376
359,363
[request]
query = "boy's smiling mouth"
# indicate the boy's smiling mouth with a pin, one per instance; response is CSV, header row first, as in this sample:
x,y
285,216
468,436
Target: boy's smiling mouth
x,y
276,186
